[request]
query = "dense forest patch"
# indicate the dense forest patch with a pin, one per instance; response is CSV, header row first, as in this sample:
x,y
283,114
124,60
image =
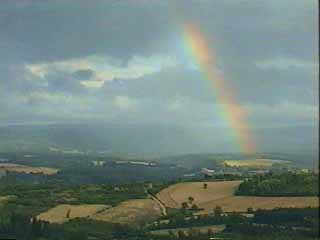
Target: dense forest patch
x,y
281,185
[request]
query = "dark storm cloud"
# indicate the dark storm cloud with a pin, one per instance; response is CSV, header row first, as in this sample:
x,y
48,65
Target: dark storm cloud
x,y
63,82
83,74
257,29
37,31
50,30
168,83
15,78
272,85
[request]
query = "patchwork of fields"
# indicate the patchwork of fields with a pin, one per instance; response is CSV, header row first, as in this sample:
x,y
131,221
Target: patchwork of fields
x,y
222,194
127,212
207,197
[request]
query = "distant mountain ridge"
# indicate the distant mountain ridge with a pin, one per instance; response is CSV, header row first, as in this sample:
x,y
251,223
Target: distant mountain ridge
x,y
151,140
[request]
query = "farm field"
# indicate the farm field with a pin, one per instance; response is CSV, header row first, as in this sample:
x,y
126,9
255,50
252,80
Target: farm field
x,y
202,230
59,214
242,203
222,194
130,212
254,163
27,169
175,195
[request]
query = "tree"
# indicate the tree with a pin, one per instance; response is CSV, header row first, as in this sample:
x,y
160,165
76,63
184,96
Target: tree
x,y
181,234
250,210
184,205
192,232
76,234
171,234
205,186
217,211
119,231
190,199
68,213
194,207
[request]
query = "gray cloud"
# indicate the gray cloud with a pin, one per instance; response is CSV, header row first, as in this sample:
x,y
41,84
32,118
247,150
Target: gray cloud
x,y
267,51
50,30
63,82
83,74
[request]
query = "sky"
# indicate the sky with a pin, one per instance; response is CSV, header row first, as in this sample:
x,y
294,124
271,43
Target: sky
x,y
117,61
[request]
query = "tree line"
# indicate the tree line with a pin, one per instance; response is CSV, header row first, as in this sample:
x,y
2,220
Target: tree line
x,y
281,185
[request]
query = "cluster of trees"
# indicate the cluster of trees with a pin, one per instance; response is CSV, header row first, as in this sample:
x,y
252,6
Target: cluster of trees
x,y
229,236
19,227
186,219
189,204
303,217
16,226
157,186
79,169
279,223
86,173
272,231
285,184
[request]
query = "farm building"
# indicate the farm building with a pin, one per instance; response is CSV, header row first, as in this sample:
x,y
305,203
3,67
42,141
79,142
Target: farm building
x,y
207,172
98,163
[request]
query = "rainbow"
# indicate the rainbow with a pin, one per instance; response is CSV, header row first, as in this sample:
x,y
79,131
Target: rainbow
x,y
230,110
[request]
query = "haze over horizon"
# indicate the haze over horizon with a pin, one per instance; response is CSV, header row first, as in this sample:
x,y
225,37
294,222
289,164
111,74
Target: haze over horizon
x,y
128,63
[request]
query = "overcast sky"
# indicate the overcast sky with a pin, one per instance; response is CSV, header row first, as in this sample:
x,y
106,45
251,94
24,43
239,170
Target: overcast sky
x,y
123,61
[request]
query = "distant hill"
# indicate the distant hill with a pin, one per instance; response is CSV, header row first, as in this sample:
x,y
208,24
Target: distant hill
x,y
131,140
159,141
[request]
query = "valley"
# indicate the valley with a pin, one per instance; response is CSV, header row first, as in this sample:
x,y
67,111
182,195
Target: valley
x,y
161,197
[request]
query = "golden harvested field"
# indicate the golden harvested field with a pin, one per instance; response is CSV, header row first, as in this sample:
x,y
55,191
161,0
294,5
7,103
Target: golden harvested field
x,y
254,163
130,212
175,195
59,213
242,203
127,212
27,169
203,230
222,194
